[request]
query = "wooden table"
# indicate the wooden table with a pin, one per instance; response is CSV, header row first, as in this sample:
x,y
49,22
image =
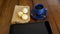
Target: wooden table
x,y
7,8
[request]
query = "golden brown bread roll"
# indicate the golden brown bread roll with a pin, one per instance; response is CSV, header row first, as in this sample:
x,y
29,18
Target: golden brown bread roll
x,y
24,16
20,13
25,10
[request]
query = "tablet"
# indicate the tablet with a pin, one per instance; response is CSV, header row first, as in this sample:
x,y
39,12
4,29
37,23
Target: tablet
x,y
31,28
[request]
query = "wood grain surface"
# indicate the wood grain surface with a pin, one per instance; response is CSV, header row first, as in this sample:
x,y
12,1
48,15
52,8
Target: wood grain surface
x,y
6,11
7,8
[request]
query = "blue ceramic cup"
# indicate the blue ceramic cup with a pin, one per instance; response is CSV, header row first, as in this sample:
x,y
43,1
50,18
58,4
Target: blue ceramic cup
x,y
39,12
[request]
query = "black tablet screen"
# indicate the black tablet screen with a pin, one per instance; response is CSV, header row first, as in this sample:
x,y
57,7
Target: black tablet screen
x,y
31,28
